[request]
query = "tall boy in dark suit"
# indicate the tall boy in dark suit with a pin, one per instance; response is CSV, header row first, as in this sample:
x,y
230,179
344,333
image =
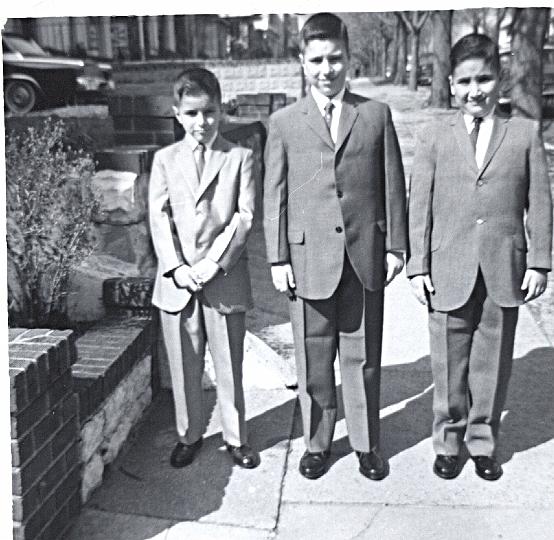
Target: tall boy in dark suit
x,y
479,182
334,219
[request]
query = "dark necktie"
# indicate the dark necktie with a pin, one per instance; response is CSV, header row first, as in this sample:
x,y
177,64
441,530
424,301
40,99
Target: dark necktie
x,y
329,106
475,132
200,159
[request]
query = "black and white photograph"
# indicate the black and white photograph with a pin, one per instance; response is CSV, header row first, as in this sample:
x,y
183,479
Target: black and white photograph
x,y
278,271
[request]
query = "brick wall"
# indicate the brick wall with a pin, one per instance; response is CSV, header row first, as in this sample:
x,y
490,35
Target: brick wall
x,y
44,432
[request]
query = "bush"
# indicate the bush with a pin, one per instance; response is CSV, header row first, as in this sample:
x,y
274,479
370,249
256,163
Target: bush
x,y
49,206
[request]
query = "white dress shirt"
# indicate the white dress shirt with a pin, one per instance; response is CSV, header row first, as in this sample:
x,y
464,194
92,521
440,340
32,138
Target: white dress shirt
x,y
321,101
484,137
193,143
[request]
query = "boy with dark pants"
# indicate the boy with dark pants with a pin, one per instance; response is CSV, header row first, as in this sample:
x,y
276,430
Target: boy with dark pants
x,y
334,220
479,181
201,205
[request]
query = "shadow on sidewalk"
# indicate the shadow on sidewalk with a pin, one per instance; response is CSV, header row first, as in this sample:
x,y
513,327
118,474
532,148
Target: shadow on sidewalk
x,y
141,482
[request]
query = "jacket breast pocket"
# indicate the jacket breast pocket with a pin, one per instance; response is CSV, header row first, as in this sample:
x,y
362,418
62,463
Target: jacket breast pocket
x,y
295,237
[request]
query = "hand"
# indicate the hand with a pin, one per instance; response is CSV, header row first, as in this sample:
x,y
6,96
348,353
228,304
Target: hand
x,y
204,271
183,278
283,278
534,282
394,262
421,284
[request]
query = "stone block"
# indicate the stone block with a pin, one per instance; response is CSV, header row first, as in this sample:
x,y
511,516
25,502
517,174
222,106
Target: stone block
x,y
119,197
91,476
84,300
114,409
92,436
129,243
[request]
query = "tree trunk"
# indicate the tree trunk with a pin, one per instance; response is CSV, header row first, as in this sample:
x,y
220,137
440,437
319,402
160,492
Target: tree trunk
x,y
402,51
412,83
440,89
394,53
528,34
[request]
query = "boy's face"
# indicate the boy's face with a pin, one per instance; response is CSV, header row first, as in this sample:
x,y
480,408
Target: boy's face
x,y
199,116
325,63
475,86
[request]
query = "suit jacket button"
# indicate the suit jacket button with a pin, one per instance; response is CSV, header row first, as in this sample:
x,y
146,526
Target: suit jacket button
x,y
480,221
339,194
480,183
338,229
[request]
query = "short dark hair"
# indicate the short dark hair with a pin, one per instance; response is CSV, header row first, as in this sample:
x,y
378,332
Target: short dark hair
x,y
196,81
323,26
475,46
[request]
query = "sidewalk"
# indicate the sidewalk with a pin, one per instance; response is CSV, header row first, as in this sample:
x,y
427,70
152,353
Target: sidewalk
x,y
144,498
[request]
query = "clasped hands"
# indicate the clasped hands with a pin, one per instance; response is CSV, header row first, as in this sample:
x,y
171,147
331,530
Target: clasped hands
x,y
534,282
194,277
283,276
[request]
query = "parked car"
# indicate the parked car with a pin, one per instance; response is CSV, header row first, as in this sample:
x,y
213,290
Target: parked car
x,y
547,78
34,78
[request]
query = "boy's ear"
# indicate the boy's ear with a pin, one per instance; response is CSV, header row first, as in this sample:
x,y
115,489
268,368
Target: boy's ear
x,y
450,84
175,110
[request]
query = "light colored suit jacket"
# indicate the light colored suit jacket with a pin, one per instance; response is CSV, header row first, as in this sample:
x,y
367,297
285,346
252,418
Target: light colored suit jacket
x,y
321,197
462,218
192,219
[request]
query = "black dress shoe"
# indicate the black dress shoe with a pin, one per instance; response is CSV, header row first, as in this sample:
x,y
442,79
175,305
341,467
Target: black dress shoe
x,y
183,454
447,467
487,467
372,465
244,456
313,464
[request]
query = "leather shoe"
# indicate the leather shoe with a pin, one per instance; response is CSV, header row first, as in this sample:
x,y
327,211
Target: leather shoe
x,y
487,467
183,454
313,464
244,456
372,465
446,467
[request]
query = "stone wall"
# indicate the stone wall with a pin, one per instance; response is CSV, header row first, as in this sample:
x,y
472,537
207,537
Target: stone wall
x,y
235,77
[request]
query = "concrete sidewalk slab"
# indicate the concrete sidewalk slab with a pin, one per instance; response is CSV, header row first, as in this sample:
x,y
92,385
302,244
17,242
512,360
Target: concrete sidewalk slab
x,y
211,489
398,522
526,439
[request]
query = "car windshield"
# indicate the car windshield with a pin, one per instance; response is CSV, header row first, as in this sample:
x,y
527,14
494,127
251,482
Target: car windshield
x,y
24,46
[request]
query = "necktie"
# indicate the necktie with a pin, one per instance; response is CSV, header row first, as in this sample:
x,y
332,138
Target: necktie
x,y
329,106
200,159
475,132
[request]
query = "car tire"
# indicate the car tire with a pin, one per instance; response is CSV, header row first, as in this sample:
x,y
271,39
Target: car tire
x,y
20,97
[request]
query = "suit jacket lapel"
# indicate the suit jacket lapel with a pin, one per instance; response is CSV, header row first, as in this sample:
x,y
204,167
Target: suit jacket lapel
x,y
462,137
347,118
315,120
499,128
213,166
186,163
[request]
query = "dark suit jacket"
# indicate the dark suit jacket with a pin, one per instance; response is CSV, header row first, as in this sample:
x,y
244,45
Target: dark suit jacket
x,y
320,197
462,218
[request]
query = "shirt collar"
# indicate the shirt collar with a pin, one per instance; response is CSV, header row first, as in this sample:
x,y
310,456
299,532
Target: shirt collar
x,y
468,119
193,143
322,100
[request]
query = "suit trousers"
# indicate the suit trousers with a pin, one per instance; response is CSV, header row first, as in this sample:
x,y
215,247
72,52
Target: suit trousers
x,y
351,320
471,359
185,336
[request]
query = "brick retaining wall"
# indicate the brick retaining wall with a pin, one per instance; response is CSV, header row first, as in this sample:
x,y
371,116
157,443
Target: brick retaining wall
x,y
57,385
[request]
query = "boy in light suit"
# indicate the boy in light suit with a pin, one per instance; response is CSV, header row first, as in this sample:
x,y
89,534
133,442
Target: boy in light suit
x,y
335,229
201,205
479,181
